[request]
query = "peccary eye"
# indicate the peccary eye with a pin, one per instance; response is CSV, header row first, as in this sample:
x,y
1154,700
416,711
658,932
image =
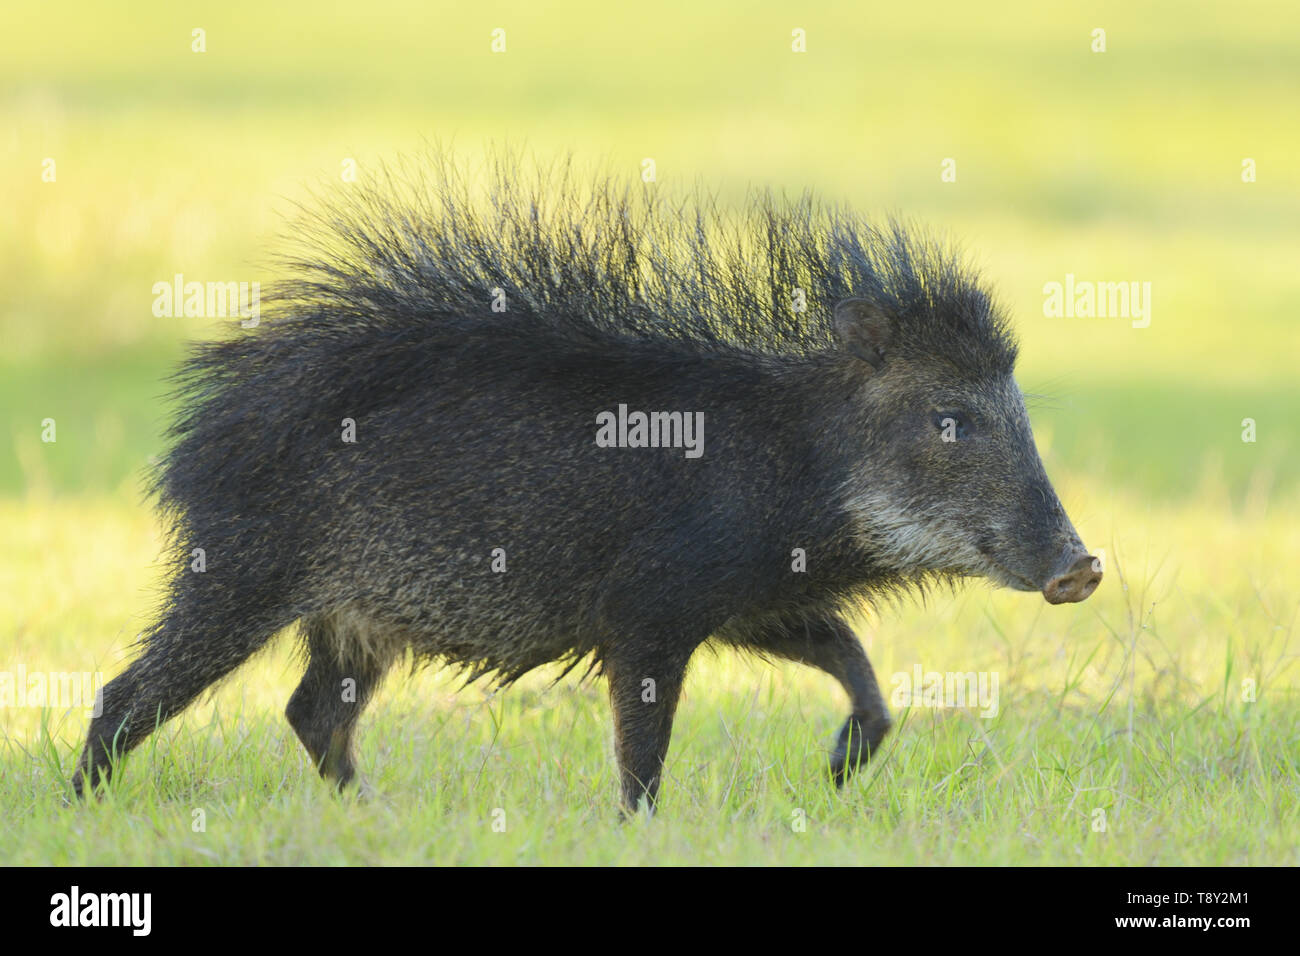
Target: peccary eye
x,y
951,425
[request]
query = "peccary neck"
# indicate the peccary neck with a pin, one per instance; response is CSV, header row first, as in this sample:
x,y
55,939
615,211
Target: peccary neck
x,y
777,461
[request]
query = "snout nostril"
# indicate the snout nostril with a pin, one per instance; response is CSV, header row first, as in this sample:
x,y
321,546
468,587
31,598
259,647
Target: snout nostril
x,y
1076,583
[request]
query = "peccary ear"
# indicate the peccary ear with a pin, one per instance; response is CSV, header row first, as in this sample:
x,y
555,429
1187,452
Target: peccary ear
x,y
863,329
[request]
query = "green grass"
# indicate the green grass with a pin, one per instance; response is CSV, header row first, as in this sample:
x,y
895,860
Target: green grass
x,y
1182,788
1119,166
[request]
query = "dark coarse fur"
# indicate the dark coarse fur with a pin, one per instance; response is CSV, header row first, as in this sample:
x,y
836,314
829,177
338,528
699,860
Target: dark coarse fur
x,y
475,432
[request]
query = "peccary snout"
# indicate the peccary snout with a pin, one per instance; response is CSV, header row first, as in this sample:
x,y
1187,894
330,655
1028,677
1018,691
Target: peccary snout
x,y
1079,578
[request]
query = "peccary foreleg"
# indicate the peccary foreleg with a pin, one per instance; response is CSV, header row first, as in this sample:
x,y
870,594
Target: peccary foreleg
x,y
827,643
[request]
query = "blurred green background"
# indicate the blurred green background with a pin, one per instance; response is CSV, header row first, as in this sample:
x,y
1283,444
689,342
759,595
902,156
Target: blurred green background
x,y
1116,166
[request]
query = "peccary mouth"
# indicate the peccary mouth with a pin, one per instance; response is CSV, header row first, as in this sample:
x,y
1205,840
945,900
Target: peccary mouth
x,y
1005,575
1079,576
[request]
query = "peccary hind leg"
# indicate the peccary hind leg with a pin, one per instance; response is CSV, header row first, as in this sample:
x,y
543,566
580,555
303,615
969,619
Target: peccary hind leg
x,y
830,645
340,680
193,647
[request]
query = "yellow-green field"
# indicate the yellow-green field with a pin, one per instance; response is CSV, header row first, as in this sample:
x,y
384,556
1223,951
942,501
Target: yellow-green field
x,y
1159,722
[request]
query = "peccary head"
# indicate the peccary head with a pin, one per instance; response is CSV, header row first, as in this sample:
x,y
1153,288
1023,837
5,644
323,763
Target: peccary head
x,y
950,480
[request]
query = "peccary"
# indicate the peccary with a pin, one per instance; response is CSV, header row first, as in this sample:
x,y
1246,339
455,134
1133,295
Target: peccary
x,y
461,429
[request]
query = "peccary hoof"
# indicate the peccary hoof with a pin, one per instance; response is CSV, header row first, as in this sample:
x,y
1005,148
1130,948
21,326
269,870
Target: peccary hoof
x,y
859,738
360,789
83,790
